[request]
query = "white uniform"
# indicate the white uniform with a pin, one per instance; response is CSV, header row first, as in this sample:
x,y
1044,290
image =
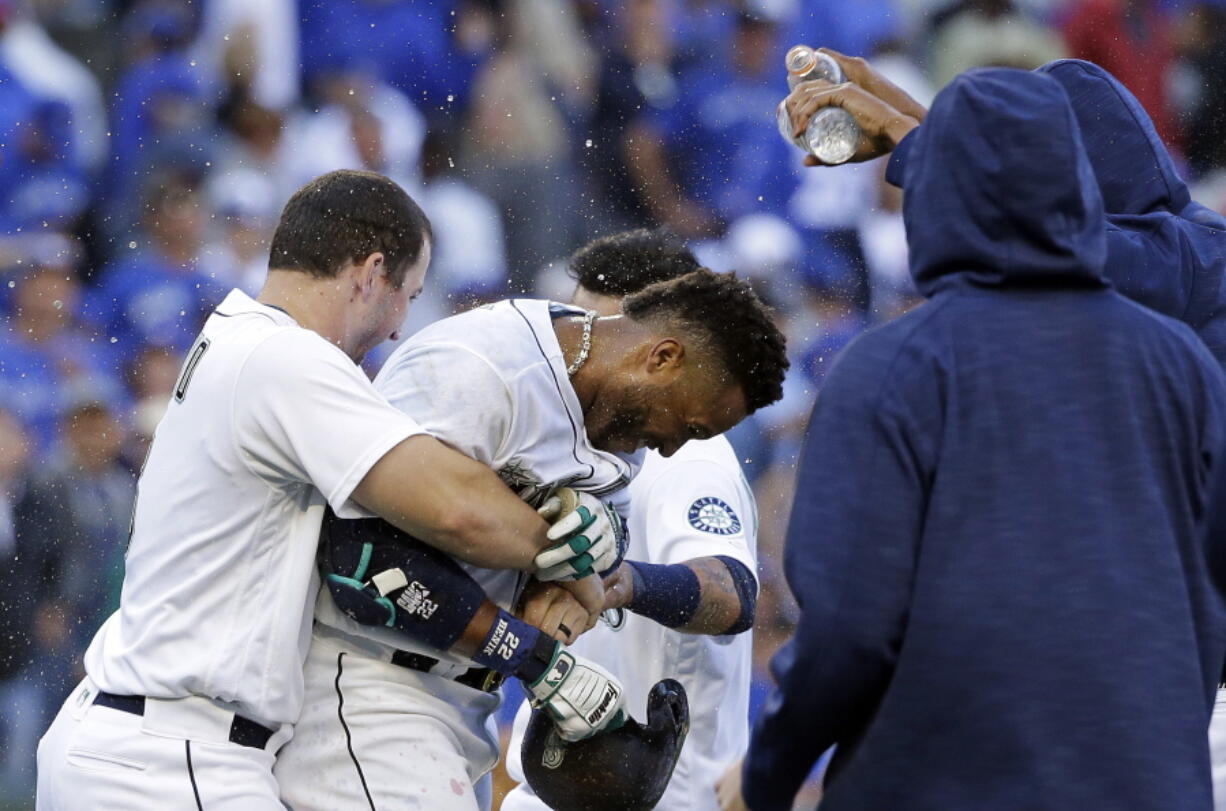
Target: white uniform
x,y
1217,749
693,504
268,422
492,383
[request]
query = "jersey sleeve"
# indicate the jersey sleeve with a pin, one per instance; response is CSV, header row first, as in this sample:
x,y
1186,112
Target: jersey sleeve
x,y
305,412
454,394
699,509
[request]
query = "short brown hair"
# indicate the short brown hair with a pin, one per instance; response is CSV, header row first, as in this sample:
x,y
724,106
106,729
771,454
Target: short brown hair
x,y
728,315
346,216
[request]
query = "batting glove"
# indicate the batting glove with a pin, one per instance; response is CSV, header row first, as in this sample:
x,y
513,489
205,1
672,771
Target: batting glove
x,y
590,536
580,696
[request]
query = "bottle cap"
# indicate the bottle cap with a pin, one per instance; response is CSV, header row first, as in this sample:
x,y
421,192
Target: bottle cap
x,y
800,60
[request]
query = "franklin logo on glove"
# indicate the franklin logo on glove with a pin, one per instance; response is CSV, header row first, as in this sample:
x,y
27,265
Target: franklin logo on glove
x,y
611,694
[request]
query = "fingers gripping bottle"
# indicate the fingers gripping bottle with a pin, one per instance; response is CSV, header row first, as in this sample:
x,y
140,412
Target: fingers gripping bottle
x,y
832,135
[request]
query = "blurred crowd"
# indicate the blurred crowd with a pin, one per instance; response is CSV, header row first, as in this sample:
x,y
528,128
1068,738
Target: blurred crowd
x,y
146,149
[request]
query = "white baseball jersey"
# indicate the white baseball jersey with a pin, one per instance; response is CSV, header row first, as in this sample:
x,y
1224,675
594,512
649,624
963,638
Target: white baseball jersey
x,y
268,421
693,504
492,383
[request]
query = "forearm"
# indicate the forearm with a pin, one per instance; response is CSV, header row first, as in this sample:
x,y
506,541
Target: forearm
x,y
708,595
723,607
453,503
379,579
648,165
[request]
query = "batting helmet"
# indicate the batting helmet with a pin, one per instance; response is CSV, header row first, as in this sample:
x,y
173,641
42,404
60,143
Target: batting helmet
x,y
623,770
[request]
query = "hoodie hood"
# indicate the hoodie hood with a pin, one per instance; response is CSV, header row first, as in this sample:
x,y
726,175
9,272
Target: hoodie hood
x,y
999,187
1135,172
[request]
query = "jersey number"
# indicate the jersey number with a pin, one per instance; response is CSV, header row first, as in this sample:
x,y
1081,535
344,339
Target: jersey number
x,y
189,368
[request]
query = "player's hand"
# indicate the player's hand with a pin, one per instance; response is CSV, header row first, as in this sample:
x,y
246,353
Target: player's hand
x,y
882,125
589,536
589,591
618,587
580,696
556,611
728,789
859,71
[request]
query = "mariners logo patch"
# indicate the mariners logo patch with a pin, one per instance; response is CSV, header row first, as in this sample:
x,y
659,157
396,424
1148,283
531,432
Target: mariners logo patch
x,y
714,515
555,750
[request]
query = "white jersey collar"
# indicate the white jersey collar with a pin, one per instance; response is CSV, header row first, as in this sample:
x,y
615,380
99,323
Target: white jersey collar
x,y
239,303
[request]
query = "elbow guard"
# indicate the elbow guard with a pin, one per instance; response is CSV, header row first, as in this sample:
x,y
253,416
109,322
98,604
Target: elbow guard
x,y
746,588
380,575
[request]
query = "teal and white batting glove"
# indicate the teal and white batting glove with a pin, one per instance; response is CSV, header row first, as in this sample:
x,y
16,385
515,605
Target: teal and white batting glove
x,y
580,696
590,536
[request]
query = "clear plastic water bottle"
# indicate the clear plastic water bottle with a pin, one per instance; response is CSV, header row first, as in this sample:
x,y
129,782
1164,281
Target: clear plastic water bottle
x,y
832,135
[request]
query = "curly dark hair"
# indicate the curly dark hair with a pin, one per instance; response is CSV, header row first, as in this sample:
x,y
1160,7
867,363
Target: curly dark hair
x,y
346,216
625,263
729,316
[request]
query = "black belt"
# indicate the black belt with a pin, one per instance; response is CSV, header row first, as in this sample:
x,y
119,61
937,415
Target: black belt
x,y
243,731
478,678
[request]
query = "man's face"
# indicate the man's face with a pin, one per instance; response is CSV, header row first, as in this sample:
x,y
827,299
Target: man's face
x,y
95,437
659,406
664,407
48,298
391,304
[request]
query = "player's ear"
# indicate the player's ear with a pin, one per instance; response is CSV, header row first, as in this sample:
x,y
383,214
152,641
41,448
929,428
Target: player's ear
x,y
368,271
666,357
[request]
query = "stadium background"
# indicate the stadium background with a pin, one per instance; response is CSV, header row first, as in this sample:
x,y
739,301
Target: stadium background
x,y
146,149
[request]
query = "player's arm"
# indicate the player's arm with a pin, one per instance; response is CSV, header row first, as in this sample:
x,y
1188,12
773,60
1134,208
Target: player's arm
x,y
401,583
696,572
708,595
454,503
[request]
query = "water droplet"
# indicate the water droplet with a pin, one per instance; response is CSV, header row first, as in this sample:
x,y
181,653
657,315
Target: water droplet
x,y
450,162
114,340
588,143
351,91
132,245
450,97
12,283
226,37
57,304
192,63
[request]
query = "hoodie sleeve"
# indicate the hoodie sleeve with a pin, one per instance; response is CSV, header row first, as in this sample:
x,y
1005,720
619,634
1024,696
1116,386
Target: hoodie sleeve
x,y
861,494
1151,261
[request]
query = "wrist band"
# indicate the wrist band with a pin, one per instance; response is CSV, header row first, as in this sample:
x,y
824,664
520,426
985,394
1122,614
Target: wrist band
x,y
514,648
746,586
668,595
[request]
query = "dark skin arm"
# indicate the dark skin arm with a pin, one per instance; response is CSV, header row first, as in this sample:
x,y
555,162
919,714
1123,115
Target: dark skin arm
x,y
883,110
648,163
719,605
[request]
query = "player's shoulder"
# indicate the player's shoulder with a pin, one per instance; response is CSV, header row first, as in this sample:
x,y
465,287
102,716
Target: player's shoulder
x,y
266,341
509,336
696,460
490,324
716,450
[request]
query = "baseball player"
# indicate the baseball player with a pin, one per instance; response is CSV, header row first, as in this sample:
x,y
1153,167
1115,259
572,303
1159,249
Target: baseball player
x,y
193,683
548,395
683,603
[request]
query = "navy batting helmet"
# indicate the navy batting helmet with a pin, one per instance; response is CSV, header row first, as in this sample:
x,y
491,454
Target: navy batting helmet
x,y
626,769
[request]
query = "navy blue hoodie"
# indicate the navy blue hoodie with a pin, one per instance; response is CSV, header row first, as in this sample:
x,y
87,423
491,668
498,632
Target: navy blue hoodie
x,y
1004,601
1163,250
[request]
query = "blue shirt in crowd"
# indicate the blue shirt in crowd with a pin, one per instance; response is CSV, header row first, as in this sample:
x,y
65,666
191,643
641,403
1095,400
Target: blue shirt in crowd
x,y
142,301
